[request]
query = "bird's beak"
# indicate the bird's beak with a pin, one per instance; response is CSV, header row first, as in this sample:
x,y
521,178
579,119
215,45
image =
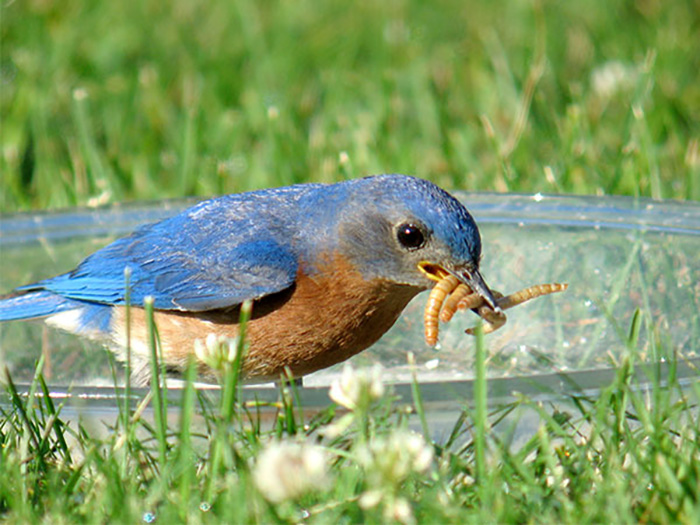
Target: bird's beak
x,y
465,275
473,279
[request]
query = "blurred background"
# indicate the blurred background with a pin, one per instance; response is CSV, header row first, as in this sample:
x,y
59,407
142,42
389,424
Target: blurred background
x,y
555,121
143,100
105,102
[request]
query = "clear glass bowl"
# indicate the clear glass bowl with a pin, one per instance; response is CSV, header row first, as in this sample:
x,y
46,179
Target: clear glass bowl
x,y
618,255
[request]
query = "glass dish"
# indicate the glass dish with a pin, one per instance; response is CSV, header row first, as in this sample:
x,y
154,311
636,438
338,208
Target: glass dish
x,y
619,256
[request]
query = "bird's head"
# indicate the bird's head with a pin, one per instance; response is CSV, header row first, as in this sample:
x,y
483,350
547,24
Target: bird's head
x,y
411,232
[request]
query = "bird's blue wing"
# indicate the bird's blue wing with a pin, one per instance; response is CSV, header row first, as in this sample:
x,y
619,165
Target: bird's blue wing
x,y
203,259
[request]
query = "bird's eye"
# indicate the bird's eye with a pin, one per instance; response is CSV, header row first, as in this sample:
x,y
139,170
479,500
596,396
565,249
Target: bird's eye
x,y
410,236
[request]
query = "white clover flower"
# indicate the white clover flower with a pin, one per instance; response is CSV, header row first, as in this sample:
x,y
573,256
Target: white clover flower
x,y
286,470
357,387
387,463
419,452
399,509
394,508
216,351
611,77
391,460
337,427
370,499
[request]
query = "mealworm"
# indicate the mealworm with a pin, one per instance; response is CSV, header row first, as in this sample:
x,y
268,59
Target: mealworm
x,y
432,308
450,306
492,320
461,299
449,295
514,299
495,321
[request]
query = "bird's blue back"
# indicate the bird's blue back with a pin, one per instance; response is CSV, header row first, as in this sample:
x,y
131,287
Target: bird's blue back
x,y
236,247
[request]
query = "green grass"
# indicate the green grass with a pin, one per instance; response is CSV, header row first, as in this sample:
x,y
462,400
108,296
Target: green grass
x,y
104,102
626,456
111,101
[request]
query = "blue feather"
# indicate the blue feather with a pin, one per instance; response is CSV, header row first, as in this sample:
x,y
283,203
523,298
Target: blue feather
x,y
246,246
34,304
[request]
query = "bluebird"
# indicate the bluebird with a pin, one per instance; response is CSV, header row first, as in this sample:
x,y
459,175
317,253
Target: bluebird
x,y
328,268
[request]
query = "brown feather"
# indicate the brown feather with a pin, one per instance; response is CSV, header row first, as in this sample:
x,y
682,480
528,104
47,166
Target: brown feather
x,y
322,320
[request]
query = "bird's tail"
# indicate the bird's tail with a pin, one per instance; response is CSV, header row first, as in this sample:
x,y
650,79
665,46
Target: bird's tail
x,y
32,305
79,317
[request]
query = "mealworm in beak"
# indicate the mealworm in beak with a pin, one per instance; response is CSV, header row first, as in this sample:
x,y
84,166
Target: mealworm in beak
x,y
531,292
450,306
463,299
492,320
432,308
495,321
450,295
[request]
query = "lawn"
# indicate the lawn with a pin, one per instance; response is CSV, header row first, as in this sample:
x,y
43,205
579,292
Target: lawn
x,y
106,102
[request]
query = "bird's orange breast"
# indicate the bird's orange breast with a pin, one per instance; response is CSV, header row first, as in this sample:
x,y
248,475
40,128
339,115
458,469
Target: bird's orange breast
x,y
320,321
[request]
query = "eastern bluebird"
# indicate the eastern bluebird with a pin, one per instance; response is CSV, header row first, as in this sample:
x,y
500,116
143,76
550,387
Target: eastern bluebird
x,y
329,269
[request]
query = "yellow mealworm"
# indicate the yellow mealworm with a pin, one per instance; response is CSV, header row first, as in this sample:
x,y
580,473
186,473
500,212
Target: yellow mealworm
x,y
495,321
459,300
449,295
432,308
450,306
514,299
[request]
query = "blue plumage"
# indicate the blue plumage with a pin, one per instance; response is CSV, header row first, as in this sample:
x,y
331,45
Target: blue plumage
x,y
34,304
258,245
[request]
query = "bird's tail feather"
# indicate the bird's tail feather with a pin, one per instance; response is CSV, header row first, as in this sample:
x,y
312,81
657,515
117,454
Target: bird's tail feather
x,y
79,317
32,305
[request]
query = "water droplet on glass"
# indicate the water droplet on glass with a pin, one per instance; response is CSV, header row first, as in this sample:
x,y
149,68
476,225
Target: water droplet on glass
x,y
432,364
